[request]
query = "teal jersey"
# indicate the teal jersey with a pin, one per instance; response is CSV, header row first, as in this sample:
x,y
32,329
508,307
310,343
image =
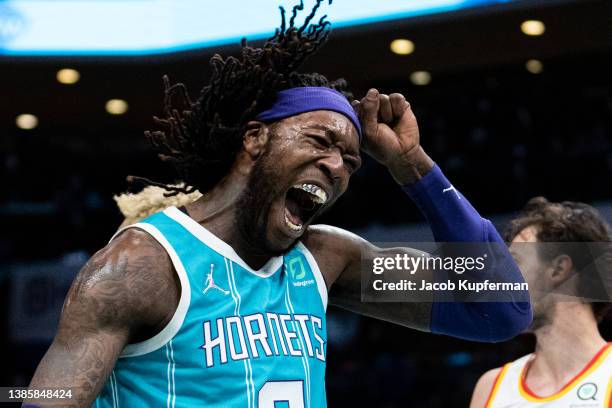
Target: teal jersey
x,y
239,337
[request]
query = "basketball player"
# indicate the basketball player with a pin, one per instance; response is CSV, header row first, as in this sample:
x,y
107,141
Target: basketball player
x,y
222,302
572,363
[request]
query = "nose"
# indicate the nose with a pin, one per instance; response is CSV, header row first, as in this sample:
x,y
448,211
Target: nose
x,y
332,164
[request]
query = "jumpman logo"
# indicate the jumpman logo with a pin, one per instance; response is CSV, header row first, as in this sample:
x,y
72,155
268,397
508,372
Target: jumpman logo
x,y
210,282
452,188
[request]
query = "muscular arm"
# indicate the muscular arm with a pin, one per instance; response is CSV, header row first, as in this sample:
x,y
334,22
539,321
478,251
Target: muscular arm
x,y
391,136
125,292
339,254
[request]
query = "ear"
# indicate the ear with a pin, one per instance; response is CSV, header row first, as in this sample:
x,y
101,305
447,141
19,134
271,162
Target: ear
x,y
255,138
562,268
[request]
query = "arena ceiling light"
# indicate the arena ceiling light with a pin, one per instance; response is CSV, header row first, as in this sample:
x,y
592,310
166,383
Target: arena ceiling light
x,y
534,66
420,77
533,27
402,46
138,27
26,121
116,106
68,76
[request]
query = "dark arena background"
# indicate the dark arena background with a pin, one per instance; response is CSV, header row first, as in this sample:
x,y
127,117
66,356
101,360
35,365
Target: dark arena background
x,y
508,114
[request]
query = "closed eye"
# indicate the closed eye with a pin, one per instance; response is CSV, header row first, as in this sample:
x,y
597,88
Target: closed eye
x,y
352,163
320,140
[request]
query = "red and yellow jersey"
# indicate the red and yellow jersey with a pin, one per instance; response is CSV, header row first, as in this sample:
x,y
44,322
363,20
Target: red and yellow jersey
x,y
590,388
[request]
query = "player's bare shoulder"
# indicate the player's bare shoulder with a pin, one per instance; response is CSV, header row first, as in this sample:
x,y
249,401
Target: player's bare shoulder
x,y
124,293
483,388
334,249
131,281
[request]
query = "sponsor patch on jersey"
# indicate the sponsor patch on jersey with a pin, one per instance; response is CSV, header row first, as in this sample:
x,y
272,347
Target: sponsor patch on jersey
x,y
297,271
587,391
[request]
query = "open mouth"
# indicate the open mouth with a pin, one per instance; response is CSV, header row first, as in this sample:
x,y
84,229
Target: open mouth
x,y
302,201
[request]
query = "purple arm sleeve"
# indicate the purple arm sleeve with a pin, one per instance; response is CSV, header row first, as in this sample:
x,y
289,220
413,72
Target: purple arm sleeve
x,y
453,219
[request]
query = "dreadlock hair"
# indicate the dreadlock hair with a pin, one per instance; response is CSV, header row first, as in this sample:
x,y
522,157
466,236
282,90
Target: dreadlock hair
x,y
201,138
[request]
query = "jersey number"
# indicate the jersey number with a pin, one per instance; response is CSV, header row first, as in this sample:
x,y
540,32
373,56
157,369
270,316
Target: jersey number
x,y
274,393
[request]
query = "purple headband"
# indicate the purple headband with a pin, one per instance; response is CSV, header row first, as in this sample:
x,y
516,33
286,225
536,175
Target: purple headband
x,y
293,101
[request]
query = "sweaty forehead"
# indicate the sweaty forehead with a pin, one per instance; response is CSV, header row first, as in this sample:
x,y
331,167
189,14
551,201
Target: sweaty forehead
x,y
328,121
